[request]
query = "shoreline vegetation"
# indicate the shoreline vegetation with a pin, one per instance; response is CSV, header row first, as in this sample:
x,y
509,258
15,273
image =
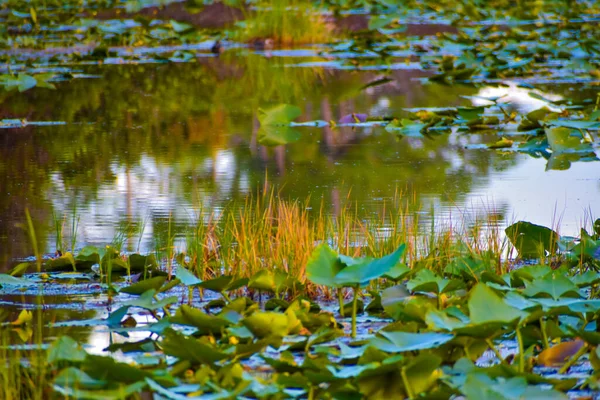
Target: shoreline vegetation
x,y
267,277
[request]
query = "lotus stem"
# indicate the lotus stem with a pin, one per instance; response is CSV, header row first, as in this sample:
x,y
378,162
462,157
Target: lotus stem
x,y
495,350
521,350
573,359
545,341
354,311
409,391
341,301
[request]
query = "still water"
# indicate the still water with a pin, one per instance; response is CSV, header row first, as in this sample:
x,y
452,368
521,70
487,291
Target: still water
x,y
139,144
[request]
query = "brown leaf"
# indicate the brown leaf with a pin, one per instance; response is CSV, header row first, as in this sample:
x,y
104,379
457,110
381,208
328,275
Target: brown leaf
x,y
560,353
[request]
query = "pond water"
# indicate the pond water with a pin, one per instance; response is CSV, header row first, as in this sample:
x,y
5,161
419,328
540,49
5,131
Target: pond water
x,y
141,143
135,125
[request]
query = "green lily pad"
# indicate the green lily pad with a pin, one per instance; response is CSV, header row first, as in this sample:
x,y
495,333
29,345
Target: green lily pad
x,y
178,345
206,324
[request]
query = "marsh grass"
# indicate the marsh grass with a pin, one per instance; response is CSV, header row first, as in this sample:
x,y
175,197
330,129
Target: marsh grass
x,y
268,232
285,22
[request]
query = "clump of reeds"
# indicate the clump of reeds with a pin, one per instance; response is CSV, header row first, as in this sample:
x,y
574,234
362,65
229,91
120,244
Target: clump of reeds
x,y
284,22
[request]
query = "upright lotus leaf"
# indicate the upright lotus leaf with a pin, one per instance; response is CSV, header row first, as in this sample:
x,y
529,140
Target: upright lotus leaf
x,y
555,285
530,240
588,278
401,306
143,286
184,347
427,281
528,273
114,318
186,277
440,320
138,262
567,140
422,373
587,248
66,262
65,348
275,125
87,257
206,324
468,267
263,280
363,274
223,283
383,380
323,266
486,306
533,118
398,272
398,341
267,324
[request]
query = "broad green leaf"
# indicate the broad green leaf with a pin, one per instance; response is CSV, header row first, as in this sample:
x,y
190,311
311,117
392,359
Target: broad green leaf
x,y
530,240
268,323
119,393
422,372
13,281
206,324
106,368
75,378
219,285
65,348
263,280
566,140
178,345
186,277
281,114
486,306
426,280
406,127
275,135
363,274
555,285
138,262
143,286
398,341
148,302
323,266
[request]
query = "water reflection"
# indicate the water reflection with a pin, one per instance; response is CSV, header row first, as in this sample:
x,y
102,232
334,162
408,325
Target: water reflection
x,y
147,143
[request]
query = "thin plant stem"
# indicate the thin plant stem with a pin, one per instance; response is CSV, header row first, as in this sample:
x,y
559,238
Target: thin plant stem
x,y
573,359
521,350
341,301
354,310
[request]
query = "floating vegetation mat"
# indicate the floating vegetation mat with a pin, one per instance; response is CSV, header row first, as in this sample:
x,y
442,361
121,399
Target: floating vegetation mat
x,y
350,327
